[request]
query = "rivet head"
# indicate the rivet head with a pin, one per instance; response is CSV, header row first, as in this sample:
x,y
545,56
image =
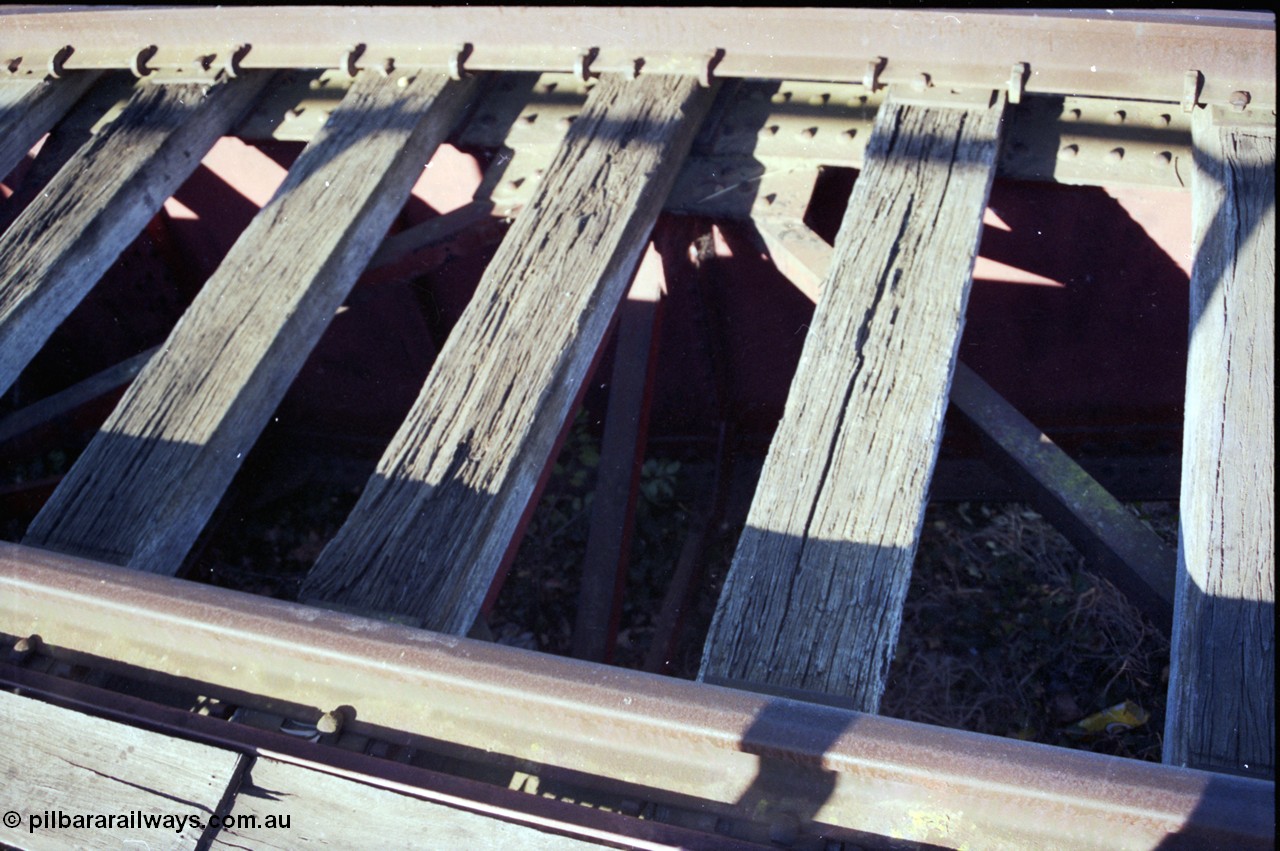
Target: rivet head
x,y
1115,155
808,133
329,723
771,130
1163,120
1072,115
1068,152
1162,157
1239,100
1117,117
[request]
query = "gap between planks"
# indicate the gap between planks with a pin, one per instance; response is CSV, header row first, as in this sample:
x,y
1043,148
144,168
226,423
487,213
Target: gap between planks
x,y
98,203
149,481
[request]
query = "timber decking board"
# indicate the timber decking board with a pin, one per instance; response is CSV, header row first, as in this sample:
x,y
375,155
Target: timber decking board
x,y
148,482
1111,538
59,761
26,115
1221,712
98,203
327,811
436,520
814,596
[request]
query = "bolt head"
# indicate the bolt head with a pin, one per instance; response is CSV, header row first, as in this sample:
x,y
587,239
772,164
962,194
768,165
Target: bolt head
x,y
329,723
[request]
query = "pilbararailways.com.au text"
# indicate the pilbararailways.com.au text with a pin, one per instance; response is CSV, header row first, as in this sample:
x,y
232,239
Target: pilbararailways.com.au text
x,y
139,820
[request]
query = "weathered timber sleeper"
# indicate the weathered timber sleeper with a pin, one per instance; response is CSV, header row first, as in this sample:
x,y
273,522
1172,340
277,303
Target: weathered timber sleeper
x,y
436,520
152,476
54,253
814,596
1222,711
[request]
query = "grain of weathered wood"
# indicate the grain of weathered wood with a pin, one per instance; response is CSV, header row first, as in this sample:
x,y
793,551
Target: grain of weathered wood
x,y
27,115
1221,712
814,596
437,518
71,132
56,761
1110,537
152,476
60,245
309,808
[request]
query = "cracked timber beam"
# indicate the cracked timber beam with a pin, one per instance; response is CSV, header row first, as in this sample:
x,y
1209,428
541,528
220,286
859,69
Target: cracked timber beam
x,y
144,488
1105,531
1222,665
813,599
436,521
62,243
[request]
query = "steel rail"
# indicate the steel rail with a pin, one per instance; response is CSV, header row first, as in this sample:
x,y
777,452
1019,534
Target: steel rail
x,y
1184,57
721,750
473,795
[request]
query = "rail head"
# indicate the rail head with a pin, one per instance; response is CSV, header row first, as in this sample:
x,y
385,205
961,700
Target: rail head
x,y
722,748
1185,56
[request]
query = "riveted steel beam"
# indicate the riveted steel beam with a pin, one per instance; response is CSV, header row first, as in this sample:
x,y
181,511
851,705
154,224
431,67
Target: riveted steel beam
x,y
1200,57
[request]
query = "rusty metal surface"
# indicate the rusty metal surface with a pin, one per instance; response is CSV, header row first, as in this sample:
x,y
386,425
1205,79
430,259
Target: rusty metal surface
x,y
781,128
1171,56
336,758
728,751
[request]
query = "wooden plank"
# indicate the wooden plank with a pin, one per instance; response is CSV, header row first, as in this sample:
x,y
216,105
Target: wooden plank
x,y
30,114
60,245
71,132
1221,712
626,431
68,773
152,476
1109,536
436,520
288,806
814,596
